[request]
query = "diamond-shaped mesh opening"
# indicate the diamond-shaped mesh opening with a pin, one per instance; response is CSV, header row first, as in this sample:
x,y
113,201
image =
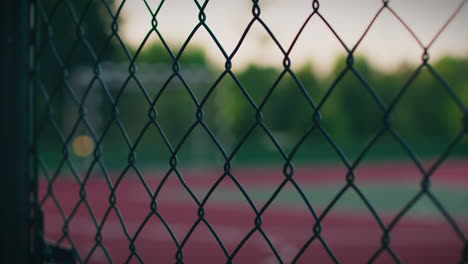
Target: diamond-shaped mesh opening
x,y
359,114
430,115
194,138
284,123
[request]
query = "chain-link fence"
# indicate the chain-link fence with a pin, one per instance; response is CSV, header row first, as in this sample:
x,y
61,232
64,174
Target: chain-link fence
x,y
114,122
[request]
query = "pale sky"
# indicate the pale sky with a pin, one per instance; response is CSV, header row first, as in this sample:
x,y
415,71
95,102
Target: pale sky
x,y
387,44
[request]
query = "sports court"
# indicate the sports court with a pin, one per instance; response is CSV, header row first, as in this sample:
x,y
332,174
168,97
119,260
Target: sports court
x,y
350,231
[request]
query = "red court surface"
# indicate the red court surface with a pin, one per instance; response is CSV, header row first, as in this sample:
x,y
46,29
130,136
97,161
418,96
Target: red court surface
x,y
352,237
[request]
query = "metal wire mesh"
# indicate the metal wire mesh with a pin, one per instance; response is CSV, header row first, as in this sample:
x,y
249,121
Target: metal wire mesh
x,y
53,84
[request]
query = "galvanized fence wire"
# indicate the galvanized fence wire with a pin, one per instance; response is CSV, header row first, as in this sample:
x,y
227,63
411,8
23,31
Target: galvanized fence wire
x,y
46,44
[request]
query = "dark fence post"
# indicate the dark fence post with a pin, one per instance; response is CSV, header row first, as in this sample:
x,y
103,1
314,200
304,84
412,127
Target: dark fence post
x,y
15,125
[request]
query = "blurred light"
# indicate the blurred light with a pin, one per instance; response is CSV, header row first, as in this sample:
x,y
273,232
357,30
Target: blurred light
x,y
83,145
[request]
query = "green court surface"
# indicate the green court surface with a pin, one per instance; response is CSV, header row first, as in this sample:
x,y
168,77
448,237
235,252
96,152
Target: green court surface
x,y
385,198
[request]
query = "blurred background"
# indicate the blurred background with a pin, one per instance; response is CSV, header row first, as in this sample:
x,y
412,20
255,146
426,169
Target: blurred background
x,y
122,84
385,59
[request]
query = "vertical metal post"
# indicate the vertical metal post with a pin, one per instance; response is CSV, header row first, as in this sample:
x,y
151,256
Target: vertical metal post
x,y
15,125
